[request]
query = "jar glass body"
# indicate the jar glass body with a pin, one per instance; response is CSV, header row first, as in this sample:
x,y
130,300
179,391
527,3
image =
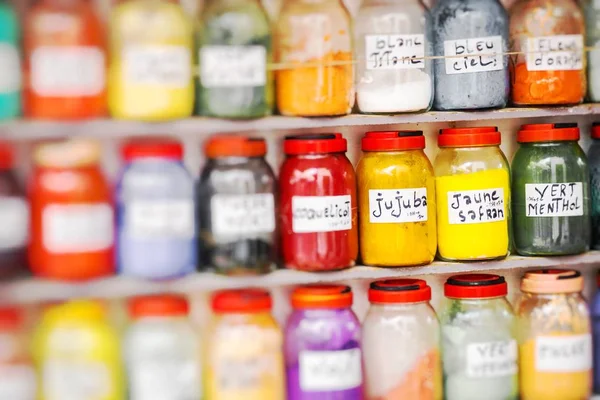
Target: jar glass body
x,y
594,164
543,77
385,73
319,222
396,198
150,74
236,213
65,61
471,27
18,378
401,348
10,62
554,334
14,231
234,51
549,217
155,219
595,312
313,49
473,203
592,39
322,337
479,349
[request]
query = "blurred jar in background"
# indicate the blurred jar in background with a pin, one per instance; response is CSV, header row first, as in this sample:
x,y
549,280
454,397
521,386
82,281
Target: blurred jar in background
x,y
17,375
65,61
72,225
150,74
10,62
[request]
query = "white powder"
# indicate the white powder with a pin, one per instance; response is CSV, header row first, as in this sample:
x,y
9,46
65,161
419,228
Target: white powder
x,y
388,94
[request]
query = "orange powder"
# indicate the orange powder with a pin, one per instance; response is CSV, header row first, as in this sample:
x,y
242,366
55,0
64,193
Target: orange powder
x,y
547,87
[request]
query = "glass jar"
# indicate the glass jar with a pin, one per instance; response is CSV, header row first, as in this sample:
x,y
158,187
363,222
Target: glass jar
x,y
17,374
473,36
554,333
472,183
71,208
479,347
396,197
541,74
244,357
401,342
10,62
550,192
65,61
594,164
595,311
319,223
322,345
155,211
392,38
236,207
592,39
235,49
313,49
162,350
150,74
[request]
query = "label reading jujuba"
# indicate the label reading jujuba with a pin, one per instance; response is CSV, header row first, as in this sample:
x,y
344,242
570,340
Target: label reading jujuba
x,y
388,206
395,51
491,359
169,66
243,214
563,353
321,213
230,66
476,55
330,370
555,53
554,199
476,206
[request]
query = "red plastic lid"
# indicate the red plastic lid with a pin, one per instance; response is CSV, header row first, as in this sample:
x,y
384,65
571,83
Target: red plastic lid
x,y
166,305
465,137
10,317
163,148
6,155
392,141
322,296
533,133
319,143
235,146
392,291
475,286
596,130
241,301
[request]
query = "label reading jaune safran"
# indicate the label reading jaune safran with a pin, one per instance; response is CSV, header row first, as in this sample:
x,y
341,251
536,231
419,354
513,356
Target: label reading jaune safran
x,y
321,213
554,199
476,206
388,206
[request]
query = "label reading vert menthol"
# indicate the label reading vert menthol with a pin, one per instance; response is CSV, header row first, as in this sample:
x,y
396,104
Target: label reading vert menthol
x,y
554,199
321,213
491,359
476,206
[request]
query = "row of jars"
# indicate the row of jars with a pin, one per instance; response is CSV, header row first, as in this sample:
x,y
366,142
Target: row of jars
x,y
312,64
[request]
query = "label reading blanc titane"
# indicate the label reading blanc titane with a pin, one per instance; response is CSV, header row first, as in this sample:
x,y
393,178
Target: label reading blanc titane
x,y
229,66
243,214
321,213
554,199
330,370
388,206
476,55
563,353
395,52
476,206
491,359
555,53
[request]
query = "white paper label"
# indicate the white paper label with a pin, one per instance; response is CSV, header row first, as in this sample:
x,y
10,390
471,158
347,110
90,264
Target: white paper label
x,y
330,370
67,71
10,65
492,359
563,353
170,219
476,206
168,66
554,199
476,55
165,380
395,51
17,382
321,213
388,206
596,4
14,228
231,66
75,380
555,53
77,228
243,214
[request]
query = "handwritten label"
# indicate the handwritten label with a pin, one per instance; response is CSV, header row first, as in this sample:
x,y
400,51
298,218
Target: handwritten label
x,y
476,206
10,65
321,213
395,51
555,53
388,206
17,382
67,379
230,66
243,214
478,55
563,353
554,199
14,230
169,66
491,359
330,370
164,379
160,219
245,373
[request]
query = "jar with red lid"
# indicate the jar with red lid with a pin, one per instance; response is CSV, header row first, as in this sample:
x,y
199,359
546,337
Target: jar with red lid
x,y
17,373
396,199
594,164
550,191
72,219
317,186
